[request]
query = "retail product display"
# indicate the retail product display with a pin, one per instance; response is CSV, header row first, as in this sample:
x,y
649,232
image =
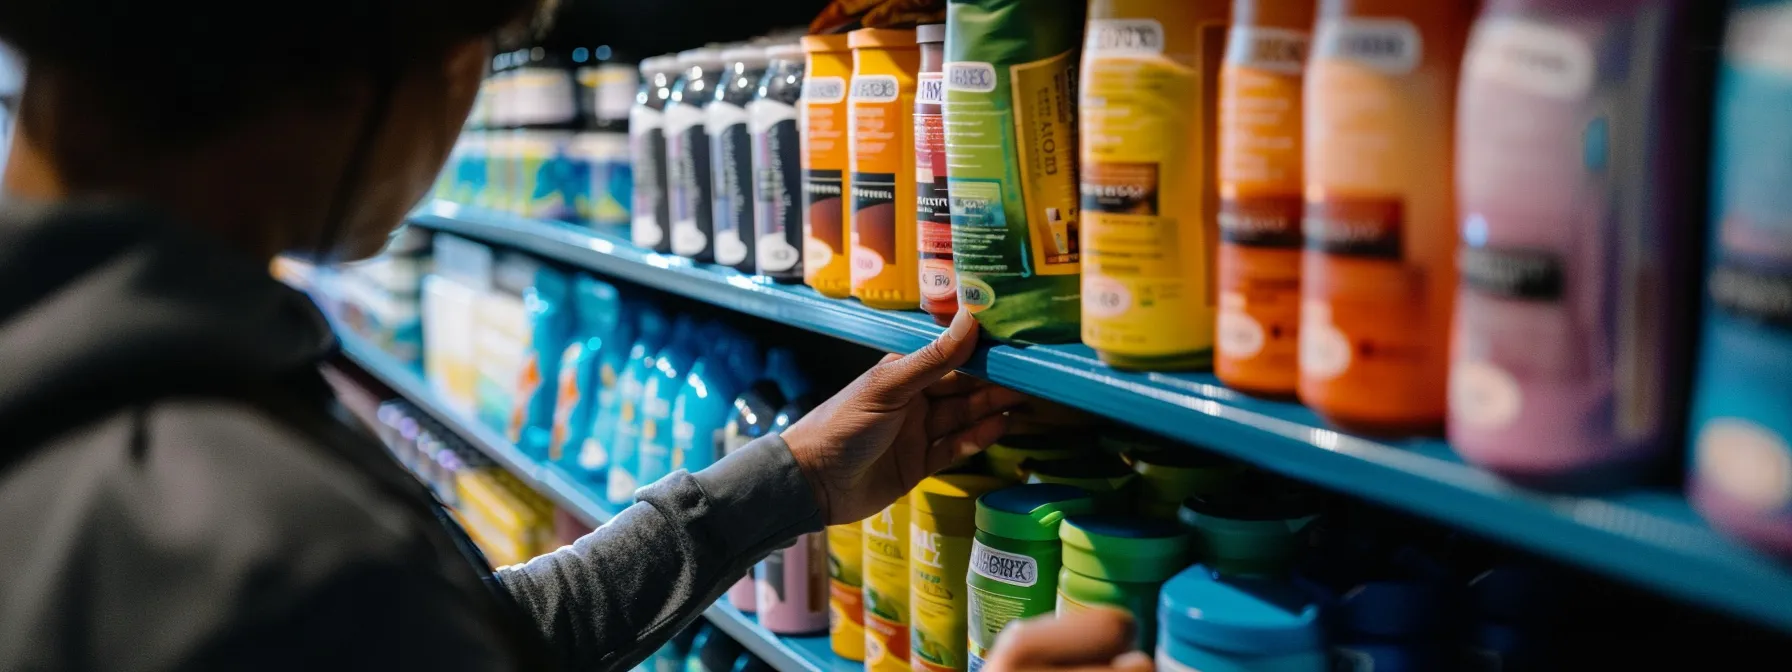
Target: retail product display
x,y
942,520
933,203
603,458
1260,188
588,373
600,176
1168,475
1574,316
1007,458
1378,274
778,209
793,587
846,591
1741,461
731,155
647,149
1119,561
1150,83
880,153
1015,558
380,300
886,588
1011,147
550,326
826,174
1211,622
1256,528
1108,477
503,339
689,180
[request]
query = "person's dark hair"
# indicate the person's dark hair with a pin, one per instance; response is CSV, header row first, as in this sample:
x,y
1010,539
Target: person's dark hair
x,y
179,68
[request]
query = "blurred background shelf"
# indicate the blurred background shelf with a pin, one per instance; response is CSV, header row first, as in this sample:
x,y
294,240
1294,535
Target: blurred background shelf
x,y
787,654
1648,537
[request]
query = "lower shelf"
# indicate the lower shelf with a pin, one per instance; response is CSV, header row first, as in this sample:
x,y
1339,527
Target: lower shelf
x,y
787,654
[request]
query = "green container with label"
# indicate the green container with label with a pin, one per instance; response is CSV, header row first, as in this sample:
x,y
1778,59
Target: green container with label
x,y
1107,477
1254,531
1004,458
1011,134
1169,473
1120,561
1016,558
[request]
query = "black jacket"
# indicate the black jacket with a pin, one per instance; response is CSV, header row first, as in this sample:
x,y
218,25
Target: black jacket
x,y
178,492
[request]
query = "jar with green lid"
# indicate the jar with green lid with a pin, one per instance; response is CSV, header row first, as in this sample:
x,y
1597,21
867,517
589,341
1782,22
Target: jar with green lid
x,y
1005,457
1107,477
942,526
1170,473
1119,561
1254,531
1016,557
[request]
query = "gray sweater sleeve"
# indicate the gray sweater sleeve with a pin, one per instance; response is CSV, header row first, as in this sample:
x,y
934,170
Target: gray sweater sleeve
x,y
614,596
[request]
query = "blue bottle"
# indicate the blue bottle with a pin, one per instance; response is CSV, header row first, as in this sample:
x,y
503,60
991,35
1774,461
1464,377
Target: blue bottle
x,y
624,440
781,368
551,322
1237,624
701,410
589,456
597,312
658,390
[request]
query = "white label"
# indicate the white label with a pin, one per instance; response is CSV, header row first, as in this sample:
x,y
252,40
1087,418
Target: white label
x,y
1124,37
592,455
722,115
824,90
730,251
930,88
646,231
875,88
817,252
970,76
1483,396
1389,45
1761,37
762,115
681,117
687,239
938,284
1324,351
1263,48
1240,335
1537,58
643,118
924,546
866,263
775,254
1105,297
1745,461
1009,568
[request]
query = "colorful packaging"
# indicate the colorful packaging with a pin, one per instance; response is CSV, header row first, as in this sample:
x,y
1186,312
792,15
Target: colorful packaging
x,y
688,161
1169,474
880,139
933,206
731,156
751,418
599,156
501,340
470,169
1119,561
1217,623
596,309
1149,203
886,589
942,529
825,177
646,336
701,408
777,166
1015,558
1107,477
846,596
550,320
1572,318
1741,436
647,147
1011,138
1378,275
625,448
1261,203
657,451
1007,457
793,590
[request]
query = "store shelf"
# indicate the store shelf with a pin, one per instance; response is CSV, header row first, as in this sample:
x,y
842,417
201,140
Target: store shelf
x,y
786,654
1647,537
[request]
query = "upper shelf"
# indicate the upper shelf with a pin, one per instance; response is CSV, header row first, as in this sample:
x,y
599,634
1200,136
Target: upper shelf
x,y
1649,537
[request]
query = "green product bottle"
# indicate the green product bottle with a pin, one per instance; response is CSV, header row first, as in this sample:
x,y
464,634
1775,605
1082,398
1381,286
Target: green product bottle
x,y
1256,531
1015,558
1120,561
1005,457
1011,134
1169,474
1109,478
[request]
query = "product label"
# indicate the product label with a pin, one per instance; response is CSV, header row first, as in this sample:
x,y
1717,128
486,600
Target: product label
x,y
647,151
1754,295
1513,274
600,177
778,183
874,227
689,173
937,598
1148,199
933,206
566,399
822,190
824,181
882,236
1359,227
1265,221
731,156
875,89
1009,568
1273,50
1531,56
846,605
824,90
886,589
1391,46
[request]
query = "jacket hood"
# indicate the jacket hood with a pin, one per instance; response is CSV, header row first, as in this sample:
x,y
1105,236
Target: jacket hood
x,y
95,298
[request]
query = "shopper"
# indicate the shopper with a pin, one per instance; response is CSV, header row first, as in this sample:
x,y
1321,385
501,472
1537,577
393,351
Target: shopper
x,y
176,489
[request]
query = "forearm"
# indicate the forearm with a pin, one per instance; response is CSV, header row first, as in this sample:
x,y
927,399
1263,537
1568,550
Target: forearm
x,y
607,601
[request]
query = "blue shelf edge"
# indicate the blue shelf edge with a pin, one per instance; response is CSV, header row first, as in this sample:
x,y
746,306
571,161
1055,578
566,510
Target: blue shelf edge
x,y
1649,537
786,654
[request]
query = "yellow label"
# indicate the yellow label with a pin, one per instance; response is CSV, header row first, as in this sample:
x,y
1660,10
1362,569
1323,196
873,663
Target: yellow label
x,y
937,595
846,599
1045,132
1149,206
886,589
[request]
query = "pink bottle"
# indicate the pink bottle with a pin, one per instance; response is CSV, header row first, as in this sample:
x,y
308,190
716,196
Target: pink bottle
x,y
743,594
1579,237
793,587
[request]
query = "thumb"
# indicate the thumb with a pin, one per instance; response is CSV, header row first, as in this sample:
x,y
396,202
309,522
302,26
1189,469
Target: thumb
x,y
908,376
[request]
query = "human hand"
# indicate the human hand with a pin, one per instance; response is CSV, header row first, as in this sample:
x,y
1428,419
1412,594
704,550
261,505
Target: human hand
x,y
1093,640
900,422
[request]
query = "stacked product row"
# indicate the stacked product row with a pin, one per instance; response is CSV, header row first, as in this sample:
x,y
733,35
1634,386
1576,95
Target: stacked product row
x,y
1404,213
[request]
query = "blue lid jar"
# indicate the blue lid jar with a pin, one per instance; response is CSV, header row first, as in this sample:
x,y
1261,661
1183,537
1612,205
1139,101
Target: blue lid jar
x,y
1237,624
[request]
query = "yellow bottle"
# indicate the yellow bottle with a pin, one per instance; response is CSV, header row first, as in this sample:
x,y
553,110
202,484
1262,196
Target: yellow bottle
x,y
846,597
825,178
881,106
886,589
1150,86
943,523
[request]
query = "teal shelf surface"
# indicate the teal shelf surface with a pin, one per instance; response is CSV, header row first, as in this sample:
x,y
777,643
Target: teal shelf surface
x,y
1647,537
787,654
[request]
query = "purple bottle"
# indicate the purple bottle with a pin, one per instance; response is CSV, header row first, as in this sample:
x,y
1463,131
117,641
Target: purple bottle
x,y
1577,123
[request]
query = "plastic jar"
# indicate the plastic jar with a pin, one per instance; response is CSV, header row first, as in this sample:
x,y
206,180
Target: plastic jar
x,y
881,132
1170,474
1247,532
825,178
886,589
1005,457
942,528
1106,476
1214,624
846,591
1119,561
933,205
1016,557
793,587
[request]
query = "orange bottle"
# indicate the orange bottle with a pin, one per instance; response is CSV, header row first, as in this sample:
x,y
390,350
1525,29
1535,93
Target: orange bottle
x,y
1378,272
825,179
881,146
1260,195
